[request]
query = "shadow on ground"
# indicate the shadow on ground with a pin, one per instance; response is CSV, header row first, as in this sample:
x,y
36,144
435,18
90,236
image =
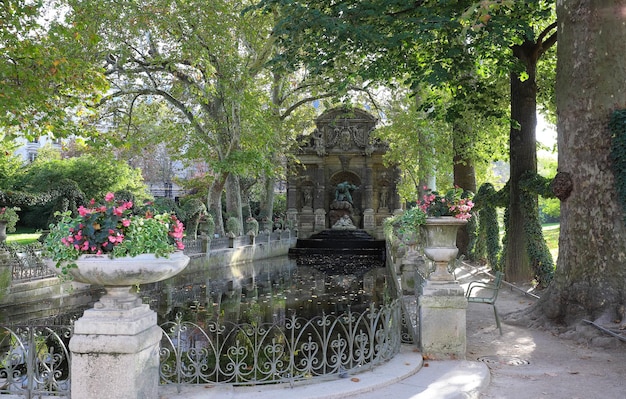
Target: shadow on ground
x,y
529,363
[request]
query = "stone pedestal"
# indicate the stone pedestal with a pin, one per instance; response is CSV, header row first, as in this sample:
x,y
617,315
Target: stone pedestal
x,y
369,223
115,354
292,218
320,220
442,321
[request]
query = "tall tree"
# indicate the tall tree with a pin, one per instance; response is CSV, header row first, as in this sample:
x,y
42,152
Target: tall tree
x,y
205,61
523,149
590,278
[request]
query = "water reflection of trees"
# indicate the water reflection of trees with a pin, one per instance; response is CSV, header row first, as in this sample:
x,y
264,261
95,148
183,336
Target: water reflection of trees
x,y
276,325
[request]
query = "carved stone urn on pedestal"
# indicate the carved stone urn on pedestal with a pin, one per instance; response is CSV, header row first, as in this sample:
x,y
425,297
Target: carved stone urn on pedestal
x,y
441,244
115,345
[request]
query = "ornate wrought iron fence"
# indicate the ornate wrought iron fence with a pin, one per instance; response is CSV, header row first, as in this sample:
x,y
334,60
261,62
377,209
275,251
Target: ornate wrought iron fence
x,y
35,361
287,350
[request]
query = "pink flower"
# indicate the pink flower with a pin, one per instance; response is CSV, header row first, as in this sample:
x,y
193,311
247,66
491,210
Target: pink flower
x,y
125,222
109,197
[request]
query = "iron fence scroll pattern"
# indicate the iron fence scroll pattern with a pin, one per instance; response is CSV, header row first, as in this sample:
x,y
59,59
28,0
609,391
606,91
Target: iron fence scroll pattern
x,y
287,350
34,361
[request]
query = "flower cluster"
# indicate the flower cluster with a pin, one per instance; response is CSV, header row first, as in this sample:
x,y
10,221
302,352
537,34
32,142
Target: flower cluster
x,y
456,202
113,228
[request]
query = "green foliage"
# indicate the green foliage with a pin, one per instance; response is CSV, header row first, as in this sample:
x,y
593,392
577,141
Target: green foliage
x,y
10,216
252,226
410,221
551,235
207,225
549,209
45,79
488,230
280,205
617,127
165,205
390,225
192,211
540,258
10,164
233,226
539,254
94,176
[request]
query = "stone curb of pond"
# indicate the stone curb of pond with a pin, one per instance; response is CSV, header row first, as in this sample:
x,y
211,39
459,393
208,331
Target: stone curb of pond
x,y
405,376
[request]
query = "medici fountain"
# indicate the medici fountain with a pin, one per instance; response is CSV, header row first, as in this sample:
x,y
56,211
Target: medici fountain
x,y
326,307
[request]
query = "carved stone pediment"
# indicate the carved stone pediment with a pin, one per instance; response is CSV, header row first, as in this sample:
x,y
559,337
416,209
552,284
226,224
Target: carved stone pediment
x,y
343,130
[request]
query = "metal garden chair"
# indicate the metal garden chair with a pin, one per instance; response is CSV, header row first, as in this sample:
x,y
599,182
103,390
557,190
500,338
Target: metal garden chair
x,y
489,288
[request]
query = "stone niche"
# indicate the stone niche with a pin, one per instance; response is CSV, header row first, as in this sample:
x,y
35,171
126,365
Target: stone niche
x,y
340,172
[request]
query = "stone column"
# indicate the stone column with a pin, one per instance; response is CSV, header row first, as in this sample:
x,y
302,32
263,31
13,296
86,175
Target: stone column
x,y
115,354
369,187
319,201
396,203
318,198
369,222
292,193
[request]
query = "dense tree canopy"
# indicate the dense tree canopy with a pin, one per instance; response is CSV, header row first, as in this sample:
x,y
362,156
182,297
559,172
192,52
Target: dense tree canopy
x,y
94,176
44,80
466,46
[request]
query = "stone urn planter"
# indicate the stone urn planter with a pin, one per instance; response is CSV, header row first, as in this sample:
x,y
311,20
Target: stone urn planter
x,y
115,345
441,244
119,275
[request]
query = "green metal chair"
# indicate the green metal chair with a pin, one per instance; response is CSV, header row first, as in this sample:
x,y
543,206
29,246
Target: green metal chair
x,y
491,289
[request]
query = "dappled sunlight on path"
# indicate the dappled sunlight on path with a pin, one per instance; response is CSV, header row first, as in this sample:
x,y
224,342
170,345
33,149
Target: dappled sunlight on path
x,y
529,363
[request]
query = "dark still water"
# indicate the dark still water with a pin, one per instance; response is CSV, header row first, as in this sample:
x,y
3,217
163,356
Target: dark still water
x,y
265,291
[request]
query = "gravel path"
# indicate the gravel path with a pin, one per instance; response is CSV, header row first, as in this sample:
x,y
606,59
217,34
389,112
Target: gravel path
x,y
529,363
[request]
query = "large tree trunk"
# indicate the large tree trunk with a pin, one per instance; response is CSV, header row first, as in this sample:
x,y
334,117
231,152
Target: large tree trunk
x,y
233,198
590,277
523,159
214,202
267,207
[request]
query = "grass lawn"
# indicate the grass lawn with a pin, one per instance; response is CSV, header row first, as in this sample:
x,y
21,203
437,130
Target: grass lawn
x,y
23,236
551,235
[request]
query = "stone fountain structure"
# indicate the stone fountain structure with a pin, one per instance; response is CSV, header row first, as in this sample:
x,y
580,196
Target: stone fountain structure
x,y
340,174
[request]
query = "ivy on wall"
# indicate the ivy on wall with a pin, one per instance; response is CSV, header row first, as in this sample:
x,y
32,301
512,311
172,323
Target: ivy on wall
x,y
617,127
